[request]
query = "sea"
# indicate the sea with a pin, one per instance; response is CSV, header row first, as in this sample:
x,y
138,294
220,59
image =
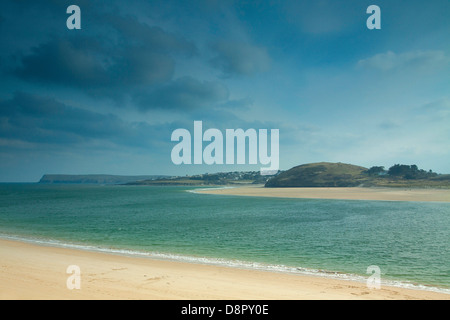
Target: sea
x,y
406,243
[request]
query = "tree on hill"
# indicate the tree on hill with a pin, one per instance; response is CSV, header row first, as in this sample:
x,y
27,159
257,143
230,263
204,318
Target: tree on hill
x,y
399,170
375,171
409,172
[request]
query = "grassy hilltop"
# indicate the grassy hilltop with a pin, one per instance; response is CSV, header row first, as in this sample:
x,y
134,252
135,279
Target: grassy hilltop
x,y
322,174
326,174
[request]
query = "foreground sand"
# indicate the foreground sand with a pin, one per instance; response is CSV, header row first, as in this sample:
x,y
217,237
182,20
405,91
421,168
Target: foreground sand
x,y
29,271
386,194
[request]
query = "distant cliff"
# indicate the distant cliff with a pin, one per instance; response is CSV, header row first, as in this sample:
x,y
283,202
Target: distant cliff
x,y
93,179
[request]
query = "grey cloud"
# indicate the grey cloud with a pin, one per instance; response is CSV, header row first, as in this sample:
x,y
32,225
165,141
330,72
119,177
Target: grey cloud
x,y
87,63
43,120
74,62
240,58
141,66
437,110
407,60
388,125
238,104
322,17
137,33
185,94
122,56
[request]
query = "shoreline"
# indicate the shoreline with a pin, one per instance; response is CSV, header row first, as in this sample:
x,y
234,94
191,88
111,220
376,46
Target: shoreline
x,y
337,193
225,263
31,271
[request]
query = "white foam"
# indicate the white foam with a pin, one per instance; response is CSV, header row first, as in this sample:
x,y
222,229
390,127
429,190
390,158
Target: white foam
x,y
212,188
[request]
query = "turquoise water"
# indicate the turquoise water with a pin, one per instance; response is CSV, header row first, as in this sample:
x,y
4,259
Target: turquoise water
x,y
408,241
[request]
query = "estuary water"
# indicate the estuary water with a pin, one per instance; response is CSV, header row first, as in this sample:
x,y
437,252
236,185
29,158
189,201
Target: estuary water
x,y
407,241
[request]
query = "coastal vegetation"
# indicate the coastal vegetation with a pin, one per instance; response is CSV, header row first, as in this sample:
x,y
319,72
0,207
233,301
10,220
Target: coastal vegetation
x,y
326,174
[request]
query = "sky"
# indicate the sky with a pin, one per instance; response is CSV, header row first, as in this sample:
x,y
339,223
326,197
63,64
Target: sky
x,y
105,99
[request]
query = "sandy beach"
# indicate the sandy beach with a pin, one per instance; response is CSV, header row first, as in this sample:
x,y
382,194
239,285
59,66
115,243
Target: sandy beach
x,y
30,271
384,194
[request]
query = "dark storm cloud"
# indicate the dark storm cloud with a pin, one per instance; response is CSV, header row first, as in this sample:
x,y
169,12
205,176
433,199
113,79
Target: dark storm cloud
x,y
88,63
37,119
134,32
123,55
122,58
72,62
185,93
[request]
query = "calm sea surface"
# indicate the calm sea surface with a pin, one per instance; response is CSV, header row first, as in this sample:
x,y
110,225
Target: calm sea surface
x,y
408,241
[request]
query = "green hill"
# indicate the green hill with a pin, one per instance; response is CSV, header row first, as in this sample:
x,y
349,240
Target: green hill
x,y
326,174
322,174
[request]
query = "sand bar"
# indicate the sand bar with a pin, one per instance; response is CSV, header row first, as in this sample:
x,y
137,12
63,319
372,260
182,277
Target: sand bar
x,y
385,194
30,271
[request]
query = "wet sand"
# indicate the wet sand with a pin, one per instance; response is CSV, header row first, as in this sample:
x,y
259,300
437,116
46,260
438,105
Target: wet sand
x,y
382,194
